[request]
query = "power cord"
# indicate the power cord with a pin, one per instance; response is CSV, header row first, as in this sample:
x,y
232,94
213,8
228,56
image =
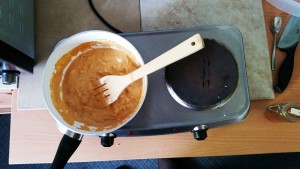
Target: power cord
x,y
102,19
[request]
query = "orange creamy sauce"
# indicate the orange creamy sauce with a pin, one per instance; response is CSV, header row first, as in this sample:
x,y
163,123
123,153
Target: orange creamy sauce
x,y
78,102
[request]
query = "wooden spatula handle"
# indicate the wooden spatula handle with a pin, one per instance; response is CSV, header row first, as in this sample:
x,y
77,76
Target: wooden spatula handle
x,y
182,50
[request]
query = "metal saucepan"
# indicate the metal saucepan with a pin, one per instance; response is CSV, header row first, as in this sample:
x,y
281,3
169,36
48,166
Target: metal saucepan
x,y
72,138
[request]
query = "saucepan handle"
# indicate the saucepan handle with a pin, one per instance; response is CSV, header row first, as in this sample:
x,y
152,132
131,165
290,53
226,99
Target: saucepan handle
x,y
286,69
66,148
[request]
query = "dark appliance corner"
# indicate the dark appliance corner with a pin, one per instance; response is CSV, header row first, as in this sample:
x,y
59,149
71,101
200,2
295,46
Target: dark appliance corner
x,y
16,39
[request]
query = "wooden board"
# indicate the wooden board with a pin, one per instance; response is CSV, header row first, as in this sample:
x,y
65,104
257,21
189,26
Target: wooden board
x,y
34,137
5,102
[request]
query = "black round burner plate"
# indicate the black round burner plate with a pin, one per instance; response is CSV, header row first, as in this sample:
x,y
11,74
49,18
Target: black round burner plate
x,y
205,79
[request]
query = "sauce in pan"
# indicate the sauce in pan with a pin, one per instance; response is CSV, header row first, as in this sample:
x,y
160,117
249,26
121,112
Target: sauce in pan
x,y
76,77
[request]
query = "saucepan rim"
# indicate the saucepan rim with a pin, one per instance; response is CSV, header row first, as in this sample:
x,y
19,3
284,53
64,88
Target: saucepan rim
x,y
70,43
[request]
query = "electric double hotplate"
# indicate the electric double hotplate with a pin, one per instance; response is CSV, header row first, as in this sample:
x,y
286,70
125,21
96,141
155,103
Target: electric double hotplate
x,y
205,90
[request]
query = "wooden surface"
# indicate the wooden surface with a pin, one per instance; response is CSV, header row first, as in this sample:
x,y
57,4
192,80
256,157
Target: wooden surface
x,y
5,102
34,137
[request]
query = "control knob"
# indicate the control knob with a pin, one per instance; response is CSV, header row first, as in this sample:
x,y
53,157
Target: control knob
x,y
107,140
200,132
